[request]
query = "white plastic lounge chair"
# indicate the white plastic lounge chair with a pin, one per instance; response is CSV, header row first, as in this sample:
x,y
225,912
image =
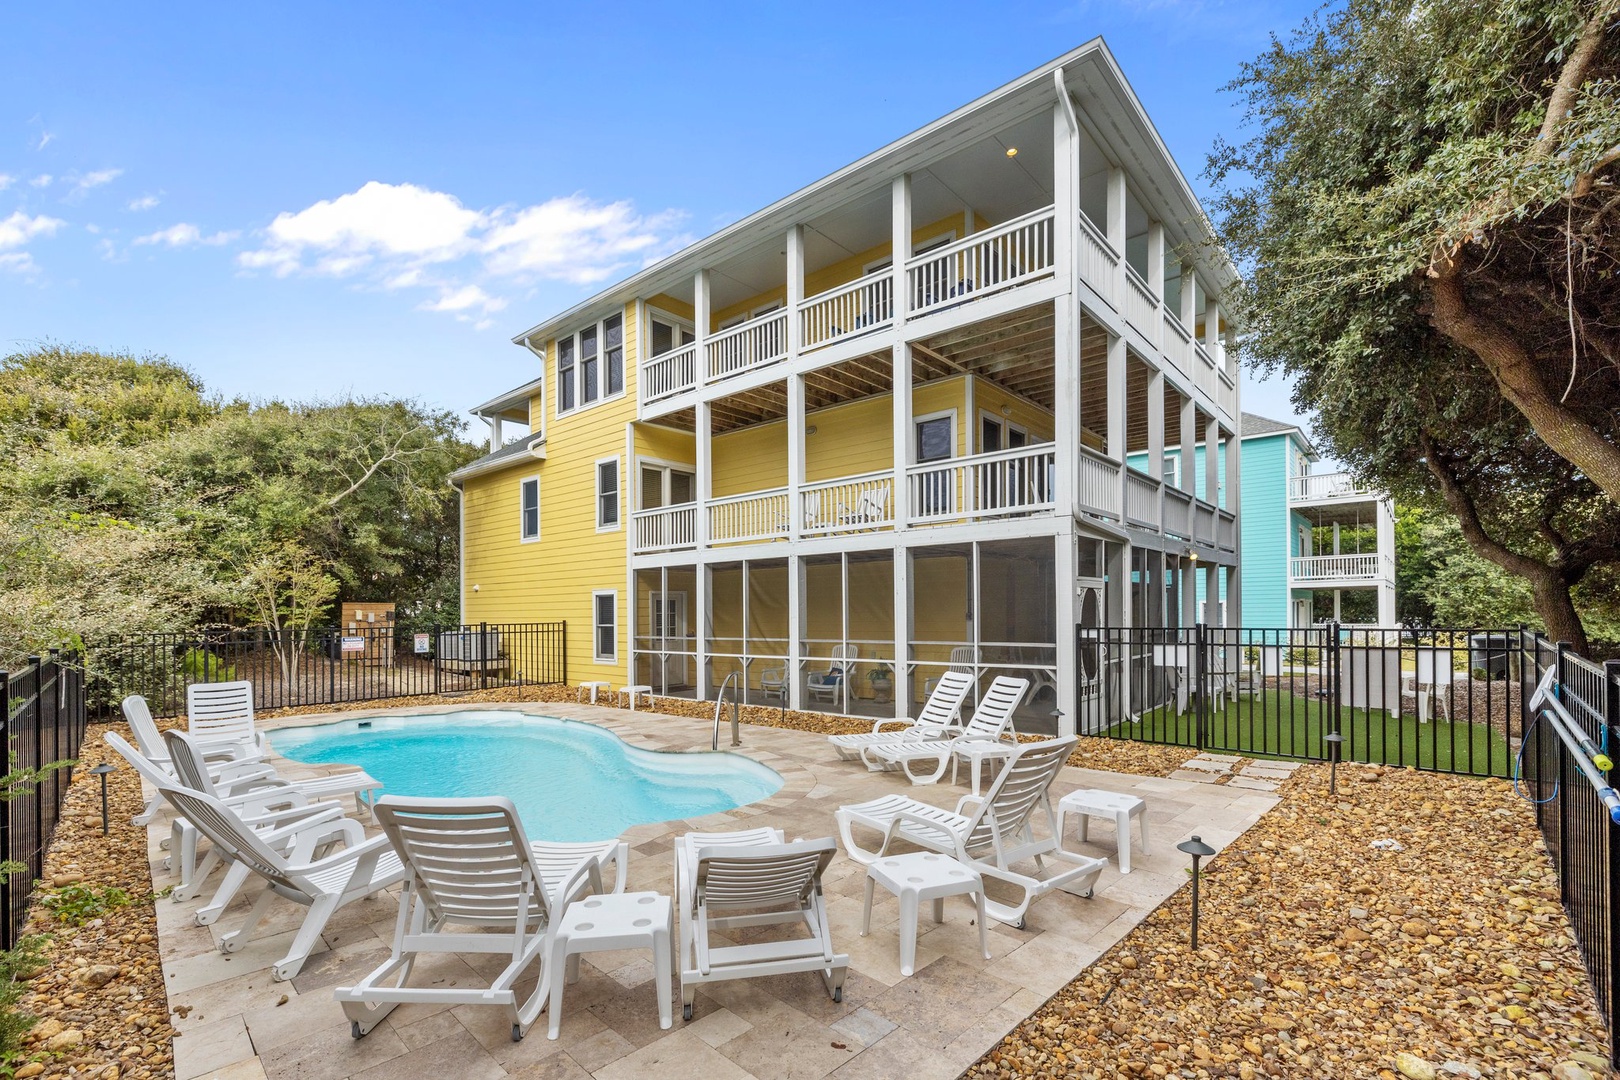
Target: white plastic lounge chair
x,y
182,842
223,764
773,682
727,883
963,658
936,721
468,863
988,833
322,884
223,713
925,762
829,685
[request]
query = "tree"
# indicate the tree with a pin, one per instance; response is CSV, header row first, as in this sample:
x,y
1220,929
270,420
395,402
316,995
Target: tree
x,y
1428,209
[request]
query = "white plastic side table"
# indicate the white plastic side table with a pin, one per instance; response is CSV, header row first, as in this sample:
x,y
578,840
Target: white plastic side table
x,y
1120,809
917,877
593,687
632,691
603,923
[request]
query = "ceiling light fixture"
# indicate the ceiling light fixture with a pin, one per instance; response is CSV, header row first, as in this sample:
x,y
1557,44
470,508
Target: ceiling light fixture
x,y
1012,151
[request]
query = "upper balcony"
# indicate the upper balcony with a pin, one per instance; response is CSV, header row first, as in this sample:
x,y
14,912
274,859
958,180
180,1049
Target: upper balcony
x,y
1329,488
1326,571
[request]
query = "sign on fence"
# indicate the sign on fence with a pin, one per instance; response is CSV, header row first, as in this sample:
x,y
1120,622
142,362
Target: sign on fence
x,y
424,642
353,645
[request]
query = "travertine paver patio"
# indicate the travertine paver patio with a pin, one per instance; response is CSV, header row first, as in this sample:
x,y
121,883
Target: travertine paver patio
x,y
234,1023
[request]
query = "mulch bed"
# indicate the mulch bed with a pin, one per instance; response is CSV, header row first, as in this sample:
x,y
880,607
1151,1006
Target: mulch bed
x,y
100,998
1321,956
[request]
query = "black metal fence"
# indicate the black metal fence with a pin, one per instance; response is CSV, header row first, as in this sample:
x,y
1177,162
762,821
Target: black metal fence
x,y
1443,700
43,708
1581,838
330,665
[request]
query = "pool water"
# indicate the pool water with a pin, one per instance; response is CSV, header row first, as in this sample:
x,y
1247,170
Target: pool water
x,y
569,780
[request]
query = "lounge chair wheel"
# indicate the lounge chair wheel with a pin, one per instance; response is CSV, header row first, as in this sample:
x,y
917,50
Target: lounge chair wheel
x,y
517,1032
1021,924
686,1012
354,1029
838,995
284,972
229,946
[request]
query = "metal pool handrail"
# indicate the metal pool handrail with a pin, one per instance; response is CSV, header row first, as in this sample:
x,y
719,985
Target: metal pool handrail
x,y
719,703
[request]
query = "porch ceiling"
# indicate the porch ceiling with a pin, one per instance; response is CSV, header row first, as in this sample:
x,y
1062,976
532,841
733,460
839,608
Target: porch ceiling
x,y
1016,351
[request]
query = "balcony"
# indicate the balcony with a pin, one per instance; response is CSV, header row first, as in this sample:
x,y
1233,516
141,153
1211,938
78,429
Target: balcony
x,y
982,264
1328,487
863,305
1317,569
668,528
997,484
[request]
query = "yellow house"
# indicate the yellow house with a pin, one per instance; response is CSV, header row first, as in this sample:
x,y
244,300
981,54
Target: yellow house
x,y
911,417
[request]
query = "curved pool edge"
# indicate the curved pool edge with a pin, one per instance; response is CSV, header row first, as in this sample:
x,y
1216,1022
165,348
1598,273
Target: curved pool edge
x,y
659,732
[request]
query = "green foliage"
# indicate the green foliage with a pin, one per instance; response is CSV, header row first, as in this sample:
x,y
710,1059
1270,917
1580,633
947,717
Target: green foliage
x,y
200,665
16,965
138,503
74,905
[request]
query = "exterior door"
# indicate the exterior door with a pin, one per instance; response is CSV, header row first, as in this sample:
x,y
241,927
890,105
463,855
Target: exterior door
x,y
669,627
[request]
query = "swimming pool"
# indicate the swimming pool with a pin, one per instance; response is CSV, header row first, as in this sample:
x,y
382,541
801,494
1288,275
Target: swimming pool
x,y
570,780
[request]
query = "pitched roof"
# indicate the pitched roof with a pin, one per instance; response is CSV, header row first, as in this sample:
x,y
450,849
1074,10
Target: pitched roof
x,y
517,448
1254,424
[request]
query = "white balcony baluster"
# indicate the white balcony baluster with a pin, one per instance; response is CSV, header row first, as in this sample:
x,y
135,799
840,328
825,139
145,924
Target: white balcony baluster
x,y
1141,306
758,515
1339,485
863,304
665,529
669,374
1099,483
1001,483
1009,254
1141,499
1099,263
1324,567
848,504
752,344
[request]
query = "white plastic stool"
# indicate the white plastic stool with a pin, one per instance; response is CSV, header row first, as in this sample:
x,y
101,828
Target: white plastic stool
x,y
1120,809
639,688
603,923
917,877
593,687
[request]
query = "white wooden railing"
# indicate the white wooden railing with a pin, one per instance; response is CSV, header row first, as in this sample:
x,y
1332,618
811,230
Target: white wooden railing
x,y
1177,342
1141,306
1368,567
1014,481
671,373
1204,522
863,304
1226,397
1226,531
848,504
1098,483
1141,499
1099,263
1009,254
1339,485
665,529
750,345
758,515
1178,512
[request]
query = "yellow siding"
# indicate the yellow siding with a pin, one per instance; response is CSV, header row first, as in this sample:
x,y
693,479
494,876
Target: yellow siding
x,y
990,398
555,577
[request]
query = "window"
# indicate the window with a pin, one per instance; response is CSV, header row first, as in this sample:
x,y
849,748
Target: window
x,y
607,494
669,335
936,437
529,501
605,625
590,364
664,485
1172,470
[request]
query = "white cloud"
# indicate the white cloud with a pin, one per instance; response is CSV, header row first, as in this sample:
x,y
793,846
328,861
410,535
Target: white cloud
x,y
183,234
6,181
42,180
89,180
575,240
45,138
464,300
145,202
19,228
398,222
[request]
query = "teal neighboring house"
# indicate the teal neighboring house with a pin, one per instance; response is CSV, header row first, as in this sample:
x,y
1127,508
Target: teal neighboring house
x,y
1316,546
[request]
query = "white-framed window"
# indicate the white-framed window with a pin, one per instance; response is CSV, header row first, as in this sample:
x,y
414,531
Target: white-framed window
x,y
605,626
997,433
917,249
1172,470
664,484
529,509
935,436
666,333
607,494
590,364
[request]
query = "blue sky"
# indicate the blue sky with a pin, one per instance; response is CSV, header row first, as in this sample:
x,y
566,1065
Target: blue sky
x,y
297,201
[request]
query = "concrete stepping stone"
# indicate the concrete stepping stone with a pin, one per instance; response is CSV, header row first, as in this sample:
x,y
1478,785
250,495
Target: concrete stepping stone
x,y
1196,777
1205,765
1249,783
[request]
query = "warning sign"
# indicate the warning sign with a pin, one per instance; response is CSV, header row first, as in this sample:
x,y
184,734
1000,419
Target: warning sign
x,y
423,643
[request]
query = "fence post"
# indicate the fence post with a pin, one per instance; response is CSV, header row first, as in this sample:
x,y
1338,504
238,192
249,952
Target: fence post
x,y
1335,697
1611,718
1199,668
437,660
1563,828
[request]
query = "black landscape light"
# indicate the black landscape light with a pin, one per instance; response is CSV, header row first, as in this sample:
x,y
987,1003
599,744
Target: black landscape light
x,y
1335,743
1198,850
102,770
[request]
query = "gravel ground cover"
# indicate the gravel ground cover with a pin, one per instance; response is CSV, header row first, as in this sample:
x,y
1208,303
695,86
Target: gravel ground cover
x,y
1322,956
103,1013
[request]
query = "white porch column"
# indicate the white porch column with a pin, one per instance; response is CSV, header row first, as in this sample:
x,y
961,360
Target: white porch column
x,y
795,288
700,325
704,480
1212,460
1212,328
1386,551
1212,594
795,453
1188,434
1189,298
700,615
1187,590
1155,257
796,617
1065,698
903,688
900,245
1234,597
1066,319
1116,228
1118,412
1155,433
902,434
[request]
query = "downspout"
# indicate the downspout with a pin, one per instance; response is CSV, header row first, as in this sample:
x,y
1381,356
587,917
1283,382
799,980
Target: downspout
x,y
1063,98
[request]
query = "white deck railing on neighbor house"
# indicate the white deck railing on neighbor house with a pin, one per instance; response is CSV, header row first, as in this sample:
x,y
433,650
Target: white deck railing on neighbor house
x,y
998,258
1339,485
1099,263
848,504
1141,499
1204,376
670,373
1098,482
1003,482
749,345
1141,306
1204,523
864,304
1324,567
1226,531
756,515
1178,512
1177,343
665,529
1226,396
